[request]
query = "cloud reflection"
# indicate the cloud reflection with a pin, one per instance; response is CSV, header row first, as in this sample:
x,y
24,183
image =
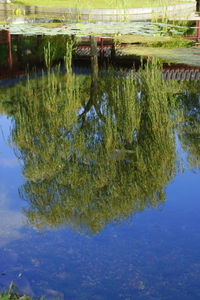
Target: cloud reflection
x,y
11,221
9,162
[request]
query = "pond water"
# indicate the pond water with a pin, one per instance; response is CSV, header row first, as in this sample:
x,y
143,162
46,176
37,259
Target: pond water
x,y
99,190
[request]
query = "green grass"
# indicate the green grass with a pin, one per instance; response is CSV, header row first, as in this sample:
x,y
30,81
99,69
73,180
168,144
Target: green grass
x,y
10,295
99,3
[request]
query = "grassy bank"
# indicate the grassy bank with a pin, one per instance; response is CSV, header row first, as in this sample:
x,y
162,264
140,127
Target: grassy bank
x,y
154,41
188,56
100,3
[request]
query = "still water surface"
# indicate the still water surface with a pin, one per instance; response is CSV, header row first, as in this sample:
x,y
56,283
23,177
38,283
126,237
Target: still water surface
x,y
99,190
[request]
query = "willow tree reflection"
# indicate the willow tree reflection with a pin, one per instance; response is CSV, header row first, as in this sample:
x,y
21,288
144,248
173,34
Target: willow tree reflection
x,y
189,131
87,169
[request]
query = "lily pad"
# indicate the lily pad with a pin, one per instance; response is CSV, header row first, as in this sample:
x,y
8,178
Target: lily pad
x,y
85,29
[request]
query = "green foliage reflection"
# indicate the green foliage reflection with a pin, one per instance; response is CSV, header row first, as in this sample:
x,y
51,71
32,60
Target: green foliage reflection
x,y
93,157
189,131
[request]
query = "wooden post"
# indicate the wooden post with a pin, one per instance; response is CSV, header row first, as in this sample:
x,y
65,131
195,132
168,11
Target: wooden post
x,y
10,58
198,30
113,52
198,5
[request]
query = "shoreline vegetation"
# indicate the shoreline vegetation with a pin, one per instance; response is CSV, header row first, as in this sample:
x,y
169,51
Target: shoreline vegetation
x,y
101,3
11,294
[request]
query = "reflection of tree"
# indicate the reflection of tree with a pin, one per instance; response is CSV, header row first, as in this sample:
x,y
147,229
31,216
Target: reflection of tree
x,y
117,163
189,132
93,100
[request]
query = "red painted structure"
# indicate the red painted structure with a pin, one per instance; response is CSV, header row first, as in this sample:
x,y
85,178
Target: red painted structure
x,y
197,35
5,38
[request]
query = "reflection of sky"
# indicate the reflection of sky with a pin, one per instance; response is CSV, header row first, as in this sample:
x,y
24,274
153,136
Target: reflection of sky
x,y
7,157
153,256
10,217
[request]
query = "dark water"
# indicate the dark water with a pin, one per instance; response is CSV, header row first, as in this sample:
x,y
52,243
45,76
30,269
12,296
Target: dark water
x,y
99,190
